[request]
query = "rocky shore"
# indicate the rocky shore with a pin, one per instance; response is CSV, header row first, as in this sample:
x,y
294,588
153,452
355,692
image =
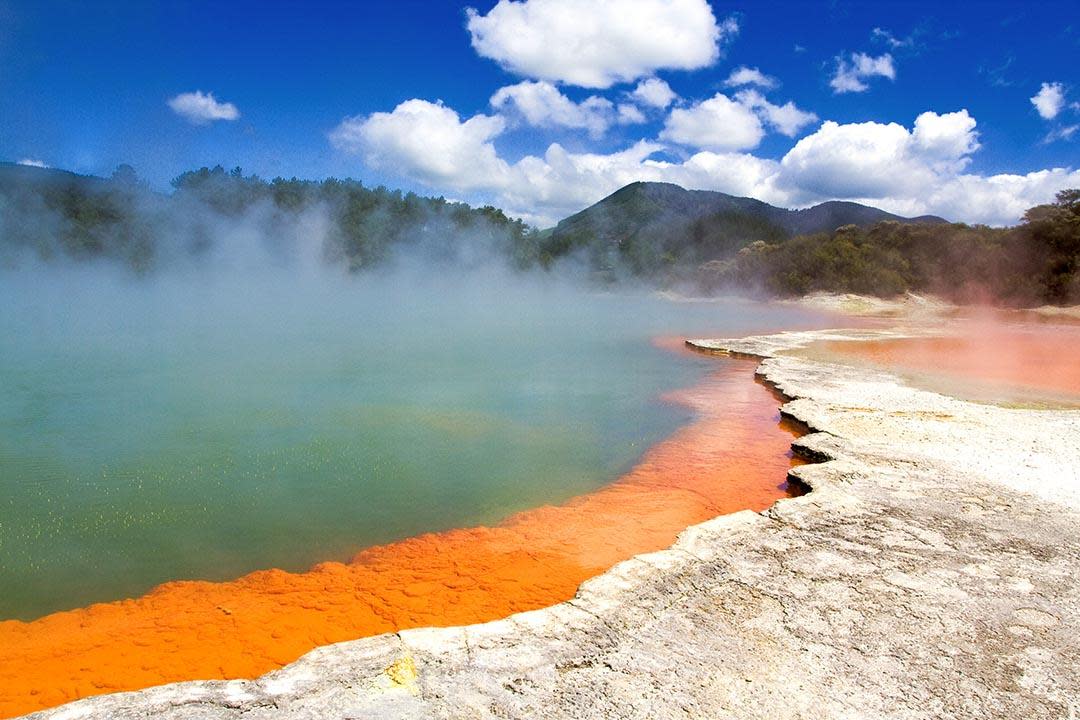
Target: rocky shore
x,y
931,572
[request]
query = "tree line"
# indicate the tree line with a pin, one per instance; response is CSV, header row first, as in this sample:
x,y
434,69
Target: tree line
x,y
49,213
1037,262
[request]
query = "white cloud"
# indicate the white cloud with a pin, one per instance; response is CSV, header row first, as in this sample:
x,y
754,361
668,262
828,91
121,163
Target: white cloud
x,y
851,74
785,119
654,92
743,75
597,43
912,172
630,114
739,174
852,160
725,124
548,188
202,108
1049,100
1066,132
945,141
561,182
718,123
875,160
907,170
427,141
994,200
541,104
30,162
891,40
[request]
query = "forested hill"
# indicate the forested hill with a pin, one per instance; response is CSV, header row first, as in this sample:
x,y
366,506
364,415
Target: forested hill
x,y
658,234
213,215
31,177
654,227
1034,263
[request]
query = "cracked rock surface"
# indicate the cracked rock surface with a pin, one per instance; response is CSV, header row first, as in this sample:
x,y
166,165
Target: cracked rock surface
x,y
932,572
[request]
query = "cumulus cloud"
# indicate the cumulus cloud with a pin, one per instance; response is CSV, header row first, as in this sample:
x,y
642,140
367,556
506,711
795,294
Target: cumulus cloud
x,y
630,114
597,43
912,172
545,189
1050,100
851,160
875,160
654,92
427,141
202,108
561,182
907,170
992,200
725,124
740,174
30,162
743,75
851,73
718,123
945,141
541,104
571,182
786,119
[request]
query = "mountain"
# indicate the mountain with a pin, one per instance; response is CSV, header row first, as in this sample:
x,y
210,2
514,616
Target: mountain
x,y
647,227
22,178
831,215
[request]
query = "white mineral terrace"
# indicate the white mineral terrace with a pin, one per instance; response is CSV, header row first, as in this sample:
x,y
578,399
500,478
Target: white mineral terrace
x,y
931,572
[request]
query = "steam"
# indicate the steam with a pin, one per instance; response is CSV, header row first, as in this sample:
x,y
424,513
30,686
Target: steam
x,y
235,225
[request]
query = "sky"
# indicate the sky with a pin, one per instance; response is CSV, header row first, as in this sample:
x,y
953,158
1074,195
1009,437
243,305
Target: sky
x,y
542,107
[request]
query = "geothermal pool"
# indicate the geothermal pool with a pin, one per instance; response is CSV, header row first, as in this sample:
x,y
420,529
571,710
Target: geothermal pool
x,y
201,429
1005,357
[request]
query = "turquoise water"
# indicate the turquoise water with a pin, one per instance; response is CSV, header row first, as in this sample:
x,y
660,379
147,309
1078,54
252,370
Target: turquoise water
x,y
204,428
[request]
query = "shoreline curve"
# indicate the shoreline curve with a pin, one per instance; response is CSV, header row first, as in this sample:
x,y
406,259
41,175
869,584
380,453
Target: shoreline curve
x,y
732,454
927,513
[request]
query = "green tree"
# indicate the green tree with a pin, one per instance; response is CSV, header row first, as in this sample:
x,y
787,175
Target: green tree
x,y
1054,233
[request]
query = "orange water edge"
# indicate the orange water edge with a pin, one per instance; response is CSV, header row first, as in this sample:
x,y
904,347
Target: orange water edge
x,y
734,456
1039,357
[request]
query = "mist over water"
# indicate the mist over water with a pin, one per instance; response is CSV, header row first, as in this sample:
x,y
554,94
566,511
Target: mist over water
x,y
206,424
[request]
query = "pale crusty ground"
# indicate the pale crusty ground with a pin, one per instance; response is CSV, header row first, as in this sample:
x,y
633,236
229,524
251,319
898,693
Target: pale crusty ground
x,y
909,305
921,308
931,573
1053,311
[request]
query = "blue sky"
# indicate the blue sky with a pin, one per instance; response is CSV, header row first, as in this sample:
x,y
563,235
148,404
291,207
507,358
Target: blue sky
x,y
531,105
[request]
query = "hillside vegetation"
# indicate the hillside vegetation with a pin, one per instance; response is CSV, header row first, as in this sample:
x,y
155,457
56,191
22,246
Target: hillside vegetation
x,y
48,214
654,233
658,229
1033,263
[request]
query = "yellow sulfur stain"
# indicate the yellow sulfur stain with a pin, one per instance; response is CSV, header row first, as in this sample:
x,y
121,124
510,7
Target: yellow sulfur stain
x,y
403,674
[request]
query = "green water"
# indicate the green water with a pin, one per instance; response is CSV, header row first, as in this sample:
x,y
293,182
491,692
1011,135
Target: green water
x,y
196,428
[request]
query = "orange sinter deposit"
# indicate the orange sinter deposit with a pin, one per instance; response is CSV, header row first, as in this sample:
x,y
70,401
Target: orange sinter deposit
x,y
734,456
981,358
